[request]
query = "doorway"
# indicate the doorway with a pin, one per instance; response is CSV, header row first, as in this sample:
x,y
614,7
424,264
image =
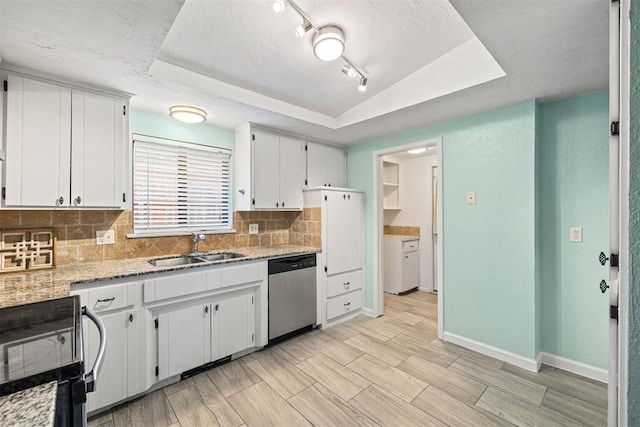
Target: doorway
x,y
392,198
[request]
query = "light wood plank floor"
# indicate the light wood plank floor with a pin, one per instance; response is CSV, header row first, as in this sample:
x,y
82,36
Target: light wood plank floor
x,y
389,371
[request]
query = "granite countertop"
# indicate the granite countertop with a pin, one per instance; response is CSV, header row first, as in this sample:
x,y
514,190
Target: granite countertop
x,y
33,286
35,406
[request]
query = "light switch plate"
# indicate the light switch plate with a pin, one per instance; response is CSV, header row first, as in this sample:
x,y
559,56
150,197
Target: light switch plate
x,y
253,228
471,197
105,237
575,234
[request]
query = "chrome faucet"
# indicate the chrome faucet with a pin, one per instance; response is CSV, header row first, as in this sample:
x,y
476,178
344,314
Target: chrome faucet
x,y
197,238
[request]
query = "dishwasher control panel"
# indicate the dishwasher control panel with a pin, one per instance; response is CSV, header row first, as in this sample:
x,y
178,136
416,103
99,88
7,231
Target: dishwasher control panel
x,y
291,263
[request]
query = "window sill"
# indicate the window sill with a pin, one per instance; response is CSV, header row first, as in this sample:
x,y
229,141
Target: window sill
x,y
170,233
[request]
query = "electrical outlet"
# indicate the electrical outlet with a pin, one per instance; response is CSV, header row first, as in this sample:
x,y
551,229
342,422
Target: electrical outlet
x,y
105,237
471,197
575,234
253,228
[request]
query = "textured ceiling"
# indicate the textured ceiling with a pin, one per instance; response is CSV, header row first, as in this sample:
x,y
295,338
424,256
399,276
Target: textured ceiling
x,y
244,52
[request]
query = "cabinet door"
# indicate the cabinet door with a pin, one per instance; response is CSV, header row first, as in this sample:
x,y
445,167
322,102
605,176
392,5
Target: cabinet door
x,y
38,142
291,176
315,165
183,340
236,324
353,231
334,167
410,271
98,146
337,232
111,385
266,164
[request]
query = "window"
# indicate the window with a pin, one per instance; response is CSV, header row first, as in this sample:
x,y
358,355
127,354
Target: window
x,y
179,186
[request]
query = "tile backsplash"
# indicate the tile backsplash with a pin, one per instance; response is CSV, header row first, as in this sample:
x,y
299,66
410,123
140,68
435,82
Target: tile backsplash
x,y
76,233
401,230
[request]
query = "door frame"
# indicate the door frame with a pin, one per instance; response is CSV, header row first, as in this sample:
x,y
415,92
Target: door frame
x,y
378,223
619,110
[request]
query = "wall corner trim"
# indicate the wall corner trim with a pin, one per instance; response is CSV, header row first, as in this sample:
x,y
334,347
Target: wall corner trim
x,y
531,365
572,366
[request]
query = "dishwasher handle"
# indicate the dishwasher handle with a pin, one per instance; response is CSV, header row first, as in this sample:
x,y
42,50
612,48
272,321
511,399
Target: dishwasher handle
x,y
91,378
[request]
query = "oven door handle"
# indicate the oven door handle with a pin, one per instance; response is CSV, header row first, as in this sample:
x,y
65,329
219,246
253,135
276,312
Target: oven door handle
x,y
91,377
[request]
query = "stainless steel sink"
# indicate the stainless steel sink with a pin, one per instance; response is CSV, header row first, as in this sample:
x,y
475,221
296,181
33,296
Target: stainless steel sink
x,y
220,256
193,259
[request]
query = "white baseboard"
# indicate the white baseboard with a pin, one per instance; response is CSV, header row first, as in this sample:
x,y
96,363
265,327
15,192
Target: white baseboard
x,y
367,311
579,368
497,353
424,289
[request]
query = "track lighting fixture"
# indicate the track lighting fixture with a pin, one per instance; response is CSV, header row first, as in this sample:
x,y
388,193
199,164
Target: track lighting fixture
x,y
328,41
303,29
363,84
349,70
279,5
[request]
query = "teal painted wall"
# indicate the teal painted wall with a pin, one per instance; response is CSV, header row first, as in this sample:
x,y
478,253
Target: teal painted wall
x,y
163,126
573,173
489,247
633,394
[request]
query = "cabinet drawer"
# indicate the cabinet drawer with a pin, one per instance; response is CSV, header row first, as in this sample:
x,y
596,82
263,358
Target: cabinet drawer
x,y
343,283
242,274
410,246
106,298
344,304
174,286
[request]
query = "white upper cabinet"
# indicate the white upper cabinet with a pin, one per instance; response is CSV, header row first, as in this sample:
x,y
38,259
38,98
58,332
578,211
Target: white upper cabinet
x,y
98,144
38,138
325,166
269,170
64,147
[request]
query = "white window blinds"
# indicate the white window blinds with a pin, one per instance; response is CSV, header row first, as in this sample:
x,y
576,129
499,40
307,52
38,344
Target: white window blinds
x,y
179,186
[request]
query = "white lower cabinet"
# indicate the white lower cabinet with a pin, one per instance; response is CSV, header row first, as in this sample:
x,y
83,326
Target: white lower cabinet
x,y
122,370
184,339
234,324
167,323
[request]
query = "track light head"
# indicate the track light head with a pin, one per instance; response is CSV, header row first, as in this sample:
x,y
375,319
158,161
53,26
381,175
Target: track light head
x,y
349,70
303,29
279,5
363,84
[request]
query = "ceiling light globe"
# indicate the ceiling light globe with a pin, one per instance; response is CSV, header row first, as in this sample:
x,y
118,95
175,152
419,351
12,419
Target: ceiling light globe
x,y
328,43
278,6
188,114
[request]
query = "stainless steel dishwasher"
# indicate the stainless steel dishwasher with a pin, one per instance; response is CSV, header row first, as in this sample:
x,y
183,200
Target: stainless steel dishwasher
x,y
292,296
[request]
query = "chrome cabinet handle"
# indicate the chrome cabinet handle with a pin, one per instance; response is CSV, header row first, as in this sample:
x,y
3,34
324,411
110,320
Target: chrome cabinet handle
x,y
107,299
77,200
347,306
60,200
91,378
206,309
217,307
347,285
131,318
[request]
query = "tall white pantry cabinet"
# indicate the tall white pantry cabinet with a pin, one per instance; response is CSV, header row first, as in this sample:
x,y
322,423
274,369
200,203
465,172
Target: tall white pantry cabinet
x,y
339,271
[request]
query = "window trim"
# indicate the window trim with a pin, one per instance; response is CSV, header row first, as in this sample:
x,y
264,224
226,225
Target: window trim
x,y
179,231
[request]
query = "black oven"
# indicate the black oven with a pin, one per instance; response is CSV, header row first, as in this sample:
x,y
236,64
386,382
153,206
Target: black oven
x,y
42,342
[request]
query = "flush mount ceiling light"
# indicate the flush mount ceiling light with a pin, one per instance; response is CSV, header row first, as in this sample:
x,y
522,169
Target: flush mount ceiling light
x,y
278,5
188,114
417,150
328,43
